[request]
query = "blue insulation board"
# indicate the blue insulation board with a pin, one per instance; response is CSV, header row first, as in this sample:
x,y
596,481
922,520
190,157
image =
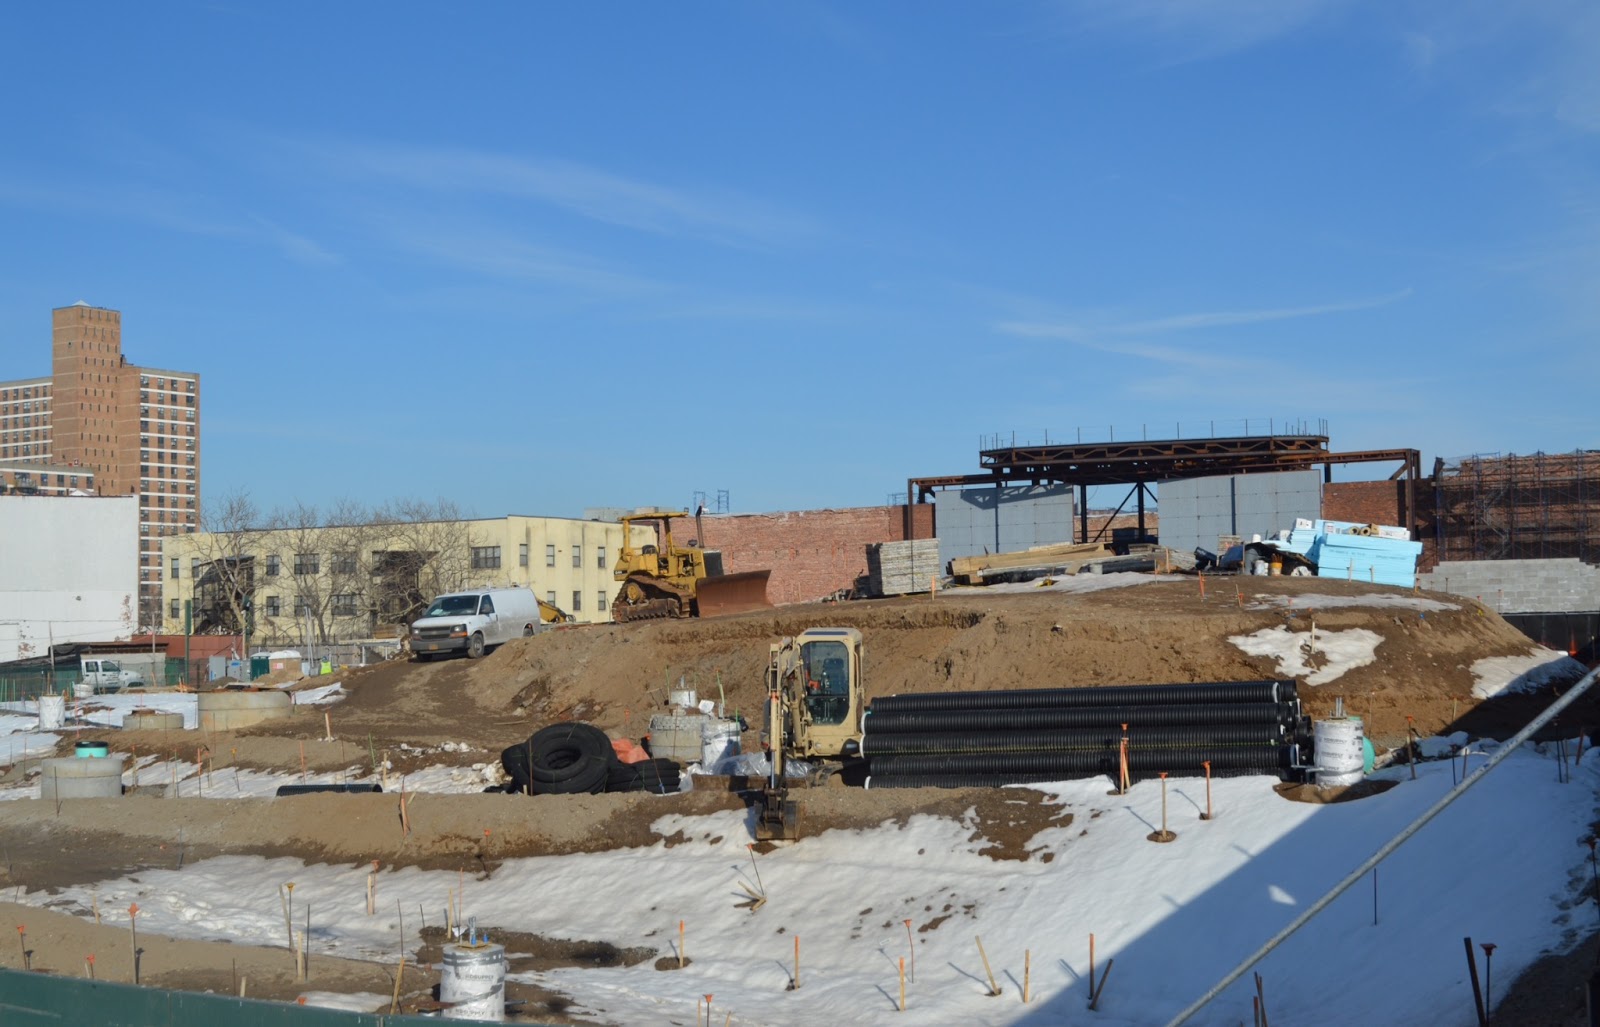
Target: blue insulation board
x,y
1384,561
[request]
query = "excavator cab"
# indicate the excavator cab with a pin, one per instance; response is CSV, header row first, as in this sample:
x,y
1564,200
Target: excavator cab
x,y
815,701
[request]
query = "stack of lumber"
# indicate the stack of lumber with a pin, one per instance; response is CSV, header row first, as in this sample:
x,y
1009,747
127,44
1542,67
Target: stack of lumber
x,y
1064,558
902,568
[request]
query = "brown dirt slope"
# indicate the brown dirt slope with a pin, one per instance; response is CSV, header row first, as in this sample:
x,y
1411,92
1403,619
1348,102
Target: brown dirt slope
x,y
616,675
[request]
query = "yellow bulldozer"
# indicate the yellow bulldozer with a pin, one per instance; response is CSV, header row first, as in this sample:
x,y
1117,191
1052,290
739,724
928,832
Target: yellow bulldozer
x,y
667,580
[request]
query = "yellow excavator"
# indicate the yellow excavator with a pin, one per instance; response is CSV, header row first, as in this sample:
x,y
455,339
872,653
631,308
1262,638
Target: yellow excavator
x,y
814,709
550,613
667,580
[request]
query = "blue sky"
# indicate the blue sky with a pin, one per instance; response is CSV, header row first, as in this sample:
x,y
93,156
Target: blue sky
x,y
540,257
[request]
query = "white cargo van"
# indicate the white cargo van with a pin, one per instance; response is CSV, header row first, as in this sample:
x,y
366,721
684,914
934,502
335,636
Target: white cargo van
x,y
474,622
102,675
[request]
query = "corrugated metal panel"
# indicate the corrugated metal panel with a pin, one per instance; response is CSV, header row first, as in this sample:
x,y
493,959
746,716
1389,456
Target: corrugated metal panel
x,y
1195,511
975,522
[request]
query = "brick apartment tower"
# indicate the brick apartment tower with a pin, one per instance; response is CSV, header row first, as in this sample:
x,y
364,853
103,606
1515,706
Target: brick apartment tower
x,y
137,428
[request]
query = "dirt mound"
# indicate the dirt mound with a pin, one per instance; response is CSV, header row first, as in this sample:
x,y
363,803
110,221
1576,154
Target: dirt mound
x,y
615,676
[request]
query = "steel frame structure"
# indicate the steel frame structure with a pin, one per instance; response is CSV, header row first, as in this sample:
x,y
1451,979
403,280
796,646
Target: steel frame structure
x,y
1142,463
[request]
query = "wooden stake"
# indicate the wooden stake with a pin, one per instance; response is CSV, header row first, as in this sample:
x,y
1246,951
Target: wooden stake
x,y
994,989
88,965
302,762
902,984
1091,969
911,946
288,917
1472,971
96,902
1207,765
370,909
327,727
797,962
243,982
680,944
400,972
1027,971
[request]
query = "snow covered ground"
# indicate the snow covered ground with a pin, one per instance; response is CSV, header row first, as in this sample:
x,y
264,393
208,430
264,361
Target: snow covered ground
x,y
1503,865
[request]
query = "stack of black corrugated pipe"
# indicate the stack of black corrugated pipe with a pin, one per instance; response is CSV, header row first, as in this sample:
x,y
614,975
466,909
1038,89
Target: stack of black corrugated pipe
x,y
1030,735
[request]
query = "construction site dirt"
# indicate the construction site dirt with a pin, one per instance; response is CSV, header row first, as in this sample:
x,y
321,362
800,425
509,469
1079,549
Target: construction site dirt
x,y
411,716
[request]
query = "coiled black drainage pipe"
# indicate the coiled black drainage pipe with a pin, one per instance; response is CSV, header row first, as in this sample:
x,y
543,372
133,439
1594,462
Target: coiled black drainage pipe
x,y
1108,695
1071,739
919,721
1082,763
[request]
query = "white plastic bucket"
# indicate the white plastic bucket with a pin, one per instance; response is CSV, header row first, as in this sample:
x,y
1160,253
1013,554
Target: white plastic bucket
x,y
719,740
472,980
1339,752
52,712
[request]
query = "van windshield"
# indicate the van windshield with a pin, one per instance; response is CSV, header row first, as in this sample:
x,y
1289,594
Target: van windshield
x,y
449,606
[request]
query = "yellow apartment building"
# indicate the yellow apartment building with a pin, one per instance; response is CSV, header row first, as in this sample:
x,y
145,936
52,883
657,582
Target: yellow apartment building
x,y
342,582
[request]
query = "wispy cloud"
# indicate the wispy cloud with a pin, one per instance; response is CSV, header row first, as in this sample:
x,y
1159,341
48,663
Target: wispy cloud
x,y
588,192
182,212
1122,336
487,252
1191,30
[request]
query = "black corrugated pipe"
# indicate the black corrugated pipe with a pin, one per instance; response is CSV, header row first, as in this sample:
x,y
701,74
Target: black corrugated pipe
x,y
1088,695
959,780
1000,780
1230,714
1156,760
1165,736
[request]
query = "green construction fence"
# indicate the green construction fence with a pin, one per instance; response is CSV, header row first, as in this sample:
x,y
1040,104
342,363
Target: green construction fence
x,y
38,999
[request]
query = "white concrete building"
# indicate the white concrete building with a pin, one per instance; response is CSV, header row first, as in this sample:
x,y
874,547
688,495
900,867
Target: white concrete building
x,y
69,571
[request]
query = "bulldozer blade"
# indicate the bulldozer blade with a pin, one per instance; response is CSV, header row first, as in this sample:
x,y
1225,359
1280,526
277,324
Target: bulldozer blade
x,y
732,593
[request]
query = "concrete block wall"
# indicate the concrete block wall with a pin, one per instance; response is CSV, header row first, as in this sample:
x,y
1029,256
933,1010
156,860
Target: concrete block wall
x,y
1521,586
811,553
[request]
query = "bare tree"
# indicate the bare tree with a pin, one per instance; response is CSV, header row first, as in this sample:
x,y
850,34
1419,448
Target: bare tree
x,y
427,551
227,545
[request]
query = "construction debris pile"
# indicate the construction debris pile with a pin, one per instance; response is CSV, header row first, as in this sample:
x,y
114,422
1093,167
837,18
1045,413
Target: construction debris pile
x,y
576,759
1125,732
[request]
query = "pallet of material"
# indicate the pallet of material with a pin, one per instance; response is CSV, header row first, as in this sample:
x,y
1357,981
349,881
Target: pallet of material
x,y
1065,558
902,568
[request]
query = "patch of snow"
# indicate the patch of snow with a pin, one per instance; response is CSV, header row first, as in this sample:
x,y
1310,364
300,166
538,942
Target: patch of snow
x,y
1175,917
1333,652
1371,600
358,1002
321,695
1435,747
1508,675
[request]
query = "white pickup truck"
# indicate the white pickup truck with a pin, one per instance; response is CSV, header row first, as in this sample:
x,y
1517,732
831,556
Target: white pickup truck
x,y
101,676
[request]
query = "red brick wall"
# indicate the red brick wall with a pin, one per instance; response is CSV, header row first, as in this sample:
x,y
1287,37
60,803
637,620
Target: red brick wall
x,y
811,552
1364,502
1380,502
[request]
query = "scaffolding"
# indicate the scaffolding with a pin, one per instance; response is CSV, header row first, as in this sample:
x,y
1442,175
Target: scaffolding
x,y
1539,506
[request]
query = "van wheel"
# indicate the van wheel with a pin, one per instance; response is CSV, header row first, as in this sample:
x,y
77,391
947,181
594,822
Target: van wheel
x,y
527,631
475,646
